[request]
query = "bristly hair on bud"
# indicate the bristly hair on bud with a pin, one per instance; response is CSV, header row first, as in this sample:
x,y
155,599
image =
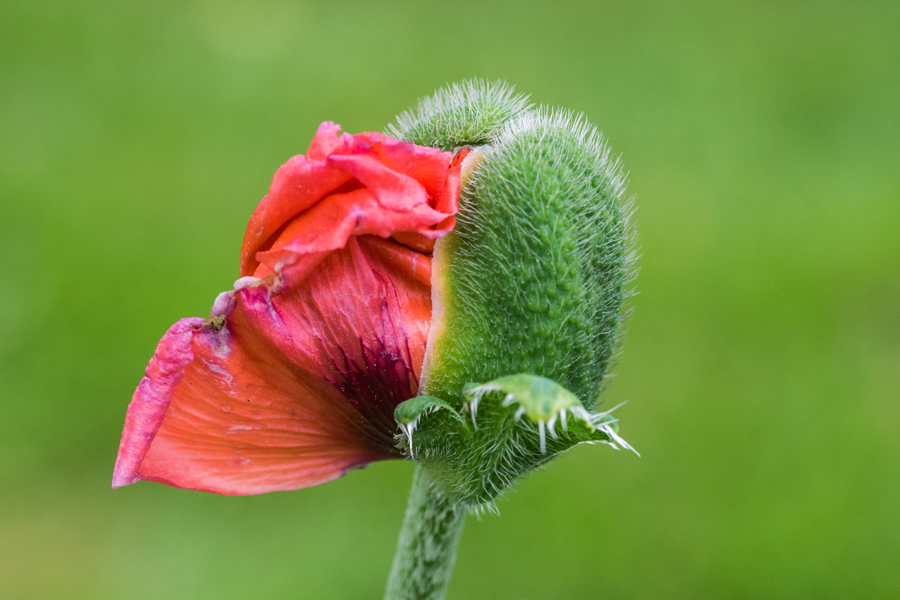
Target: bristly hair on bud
x,y
534,278
611,235
469,113
502,430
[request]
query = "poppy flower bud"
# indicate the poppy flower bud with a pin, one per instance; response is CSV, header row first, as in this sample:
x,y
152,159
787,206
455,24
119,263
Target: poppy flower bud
x,y
293,379
531,281
451,292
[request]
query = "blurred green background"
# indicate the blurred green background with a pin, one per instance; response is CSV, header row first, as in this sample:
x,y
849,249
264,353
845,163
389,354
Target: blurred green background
x,y
762,366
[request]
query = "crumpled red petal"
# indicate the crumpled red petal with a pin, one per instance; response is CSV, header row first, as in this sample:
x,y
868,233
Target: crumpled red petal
x,y
400,175
330,223
446,201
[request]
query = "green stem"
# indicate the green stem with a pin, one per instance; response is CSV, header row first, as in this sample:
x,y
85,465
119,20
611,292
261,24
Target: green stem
x,y
427,547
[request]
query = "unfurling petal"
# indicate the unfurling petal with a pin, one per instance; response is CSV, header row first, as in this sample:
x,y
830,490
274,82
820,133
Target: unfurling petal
x,y
293,389
294,378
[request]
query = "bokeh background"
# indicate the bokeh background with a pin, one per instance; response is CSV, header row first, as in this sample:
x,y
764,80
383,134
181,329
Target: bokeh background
x,y
762,366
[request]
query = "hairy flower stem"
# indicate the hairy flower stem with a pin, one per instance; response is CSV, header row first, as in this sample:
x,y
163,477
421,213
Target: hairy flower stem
x,y
426,550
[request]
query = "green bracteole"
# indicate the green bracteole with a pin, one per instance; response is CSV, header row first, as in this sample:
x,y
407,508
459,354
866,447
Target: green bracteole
x,y
502,430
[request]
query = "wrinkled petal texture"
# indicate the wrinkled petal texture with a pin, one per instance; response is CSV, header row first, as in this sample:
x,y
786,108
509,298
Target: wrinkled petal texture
x,y
294,378
401,181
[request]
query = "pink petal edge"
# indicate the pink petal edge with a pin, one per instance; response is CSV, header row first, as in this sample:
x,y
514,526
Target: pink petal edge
x,y
151,398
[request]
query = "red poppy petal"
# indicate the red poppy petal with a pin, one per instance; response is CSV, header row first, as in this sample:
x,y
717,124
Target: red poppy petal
x,y
297,185
396,171
393,190
245,421
353,321
330,223
448,200
298,387
415,241
329,140
296,377
399,259
151,398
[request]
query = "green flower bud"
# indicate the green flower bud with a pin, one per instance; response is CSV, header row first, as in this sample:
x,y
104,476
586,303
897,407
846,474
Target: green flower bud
x,y
528,291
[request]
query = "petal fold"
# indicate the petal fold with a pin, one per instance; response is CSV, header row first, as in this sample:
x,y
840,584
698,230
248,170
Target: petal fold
x,y
401,176
330,223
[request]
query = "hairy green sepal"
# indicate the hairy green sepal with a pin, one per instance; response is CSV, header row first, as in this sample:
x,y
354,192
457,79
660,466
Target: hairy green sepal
x,y
471,113
501,430
533,277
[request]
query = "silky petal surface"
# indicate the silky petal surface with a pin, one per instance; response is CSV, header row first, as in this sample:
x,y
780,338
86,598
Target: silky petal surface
x,y
297,386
